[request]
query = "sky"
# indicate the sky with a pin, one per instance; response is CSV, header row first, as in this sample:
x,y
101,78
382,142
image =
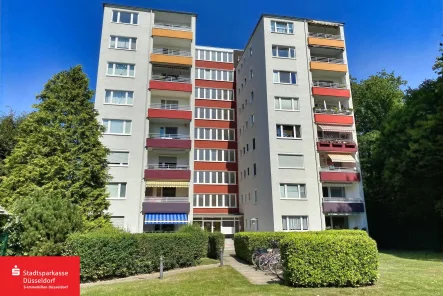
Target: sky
x,y
40,38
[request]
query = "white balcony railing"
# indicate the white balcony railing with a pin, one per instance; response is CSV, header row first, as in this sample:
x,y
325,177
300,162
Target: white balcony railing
x,y
325,36
171,78
170,107
172,26
167,167
327,60
341,199
332,168
328,84
168,136
159,199
172,52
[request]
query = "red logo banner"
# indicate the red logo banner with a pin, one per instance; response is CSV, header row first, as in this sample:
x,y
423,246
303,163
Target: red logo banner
x,y
40,276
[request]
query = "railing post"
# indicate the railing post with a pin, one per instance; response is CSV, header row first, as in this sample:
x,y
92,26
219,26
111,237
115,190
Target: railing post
x,y
221,257
161,267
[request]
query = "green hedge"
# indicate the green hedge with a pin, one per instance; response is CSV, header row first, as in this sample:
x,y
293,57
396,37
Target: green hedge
x,y
107,255
313,260
216,240
246,243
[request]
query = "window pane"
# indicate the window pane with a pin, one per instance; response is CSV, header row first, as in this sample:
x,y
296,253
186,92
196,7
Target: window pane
x,y
337,192
283,52
302,191
130,98
112,44
119,97
123,190
288,131
298,131
121,69
292,52
114,16
110,68
131,70
276,76
113,190
284,223
277,103
128,127
134,43
200,200
285,77
292,191
286,104
274,51
305,223
293,78
290,28
282,190
116,126
135,18
125,17
295,102
123,42
108,96
290,161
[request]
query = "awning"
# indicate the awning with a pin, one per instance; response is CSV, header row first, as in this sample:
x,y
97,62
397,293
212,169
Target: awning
x,y
335,128
341,158
179,218
176,184
338,184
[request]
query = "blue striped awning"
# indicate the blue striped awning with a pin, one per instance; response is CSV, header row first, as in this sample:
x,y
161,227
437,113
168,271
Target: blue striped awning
x,y
173,218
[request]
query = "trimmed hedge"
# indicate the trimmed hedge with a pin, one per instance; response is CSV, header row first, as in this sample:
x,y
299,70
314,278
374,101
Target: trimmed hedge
x,y
106,255
341,260
216,240
246,243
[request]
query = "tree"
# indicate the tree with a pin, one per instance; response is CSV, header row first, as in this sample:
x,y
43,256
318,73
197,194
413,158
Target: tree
x,y
41,223
59,150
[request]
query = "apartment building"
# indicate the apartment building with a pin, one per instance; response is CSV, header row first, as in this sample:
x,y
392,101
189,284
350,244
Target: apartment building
x,y
258,140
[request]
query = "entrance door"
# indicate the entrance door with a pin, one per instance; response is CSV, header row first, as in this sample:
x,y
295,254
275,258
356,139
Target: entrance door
x,y
208,226
216,226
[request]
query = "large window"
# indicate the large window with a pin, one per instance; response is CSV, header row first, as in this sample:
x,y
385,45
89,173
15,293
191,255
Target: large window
x,y
213,74
118,158
283,51
124,70
285,77
214,113
120,42
282,27
215,200
116,190
119,97
290,104
292,191
289,131
290,161
215,56
292,223
124,17
334,192
218,134
214,155
214,94
214,177
117,127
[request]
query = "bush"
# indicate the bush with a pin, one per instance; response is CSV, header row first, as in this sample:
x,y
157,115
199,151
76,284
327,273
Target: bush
x,y
323,260
215,242
109,254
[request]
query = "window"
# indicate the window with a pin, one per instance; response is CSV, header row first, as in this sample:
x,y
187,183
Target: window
x,y
290,161
124,70
283,51
249,196
215,200
118,158
118,221
292,191
117,127
244,150
255,169
214,134
215,56
124,17
120,42
214,155
247,147
252,119
295,223
214,94
213,74
119,97
253,144
284,77
255,196
214,113
250,51
169,104
334,192
248,171
214,177
241,175
289,131
290,104
116,190
251,97
282,27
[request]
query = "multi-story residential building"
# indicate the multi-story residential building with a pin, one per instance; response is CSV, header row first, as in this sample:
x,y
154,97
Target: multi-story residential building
x,y
259,140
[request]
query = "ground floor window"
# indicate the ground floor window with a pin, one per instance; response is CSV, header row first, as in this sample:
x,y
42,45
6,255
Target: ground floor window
x,y
294,223
226,225
337,222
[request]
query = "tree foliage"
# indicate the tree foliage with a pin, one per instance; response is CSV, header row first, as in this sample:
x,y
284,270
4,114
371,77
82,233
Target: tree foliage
x,y
58,149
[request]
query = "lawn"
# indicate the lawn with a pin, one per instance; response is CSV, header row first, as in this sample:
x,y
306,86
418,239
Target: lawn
x,y
401,273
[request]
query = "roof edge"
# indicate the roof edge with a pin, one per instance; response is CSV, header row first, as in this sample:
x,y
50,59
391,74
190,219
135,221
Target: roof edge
x,y
146,9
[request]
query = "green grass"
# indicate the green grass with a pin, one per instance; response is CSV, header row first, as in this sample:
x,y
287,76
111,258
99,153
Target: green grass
x,y
401,273
207,261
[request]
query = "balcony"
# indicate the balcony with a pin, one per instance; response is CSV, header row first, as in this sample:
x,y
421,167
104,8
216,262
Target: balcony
x,y
336,145
326,40
168,141
167,172
339,174
171,56
170,111
330,89
343,205
155,204
328,64
171,78
170,30
333,115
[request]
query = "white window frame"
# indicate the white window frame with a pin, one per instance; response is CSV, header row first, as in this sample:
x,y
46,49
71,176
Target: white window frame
x,y
131,39
289,27
114,64
292,104
120,165
255,196
232,200
291,154
208,133
208,74
294,127
252,120
118,17
200,177
119,185
126,97
281,47
297,217
279,80
251,97
213,114
224,94
286,191
207,155
125,121
206,55
329,192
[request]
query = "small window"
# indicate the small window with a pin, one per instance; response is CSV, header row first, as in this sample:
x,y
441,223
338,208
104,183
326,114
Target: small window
x,y
253,144
290,161
118,221
251,97
290,104
251,74
284,77
124,70
282,27
118,158
289,131
119,97
255,169
120,42
283,51
117,127
294,223
292,191
250,51
255,196
116,190
124,17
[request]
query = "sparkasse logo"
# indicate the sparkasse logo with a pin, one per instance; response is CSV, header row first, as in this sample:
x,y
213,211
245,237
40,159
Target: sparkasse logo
x,y
15,271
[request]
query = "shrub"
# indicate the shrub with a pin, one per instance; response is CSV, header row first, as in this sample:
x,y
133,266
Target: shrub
x,y
322,260
216,241
196,231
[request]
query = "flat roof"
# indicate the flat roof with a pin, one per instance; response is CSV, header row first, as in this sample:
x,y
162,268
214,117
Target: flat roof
x,y
146,9
215,48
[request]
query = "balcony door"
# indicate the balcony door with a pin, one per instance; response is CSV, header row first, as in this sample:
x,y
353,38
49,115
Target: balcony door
x,y
168,132
167,162
168,192
169,104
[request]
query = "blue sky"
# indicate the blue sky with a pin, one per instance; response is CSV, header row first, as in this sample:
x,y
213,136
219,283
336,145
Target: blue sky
x,y
41,38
